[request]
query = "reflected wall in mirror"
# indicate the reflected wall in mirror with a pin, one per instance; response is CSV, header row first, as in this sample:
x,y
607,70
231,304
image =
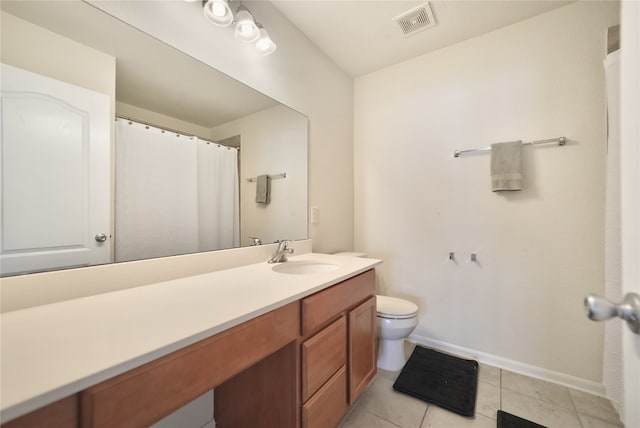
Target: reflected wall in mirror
x,y
69,70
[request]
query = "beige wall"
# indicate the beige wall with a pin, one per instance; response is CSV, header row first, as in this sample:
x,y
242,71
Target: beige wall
x,y
539,250
36,49
270,144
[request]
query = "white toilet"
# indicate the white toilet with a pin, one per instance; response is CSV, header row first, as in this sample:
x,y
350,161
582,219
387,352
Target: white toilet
x,y
396,320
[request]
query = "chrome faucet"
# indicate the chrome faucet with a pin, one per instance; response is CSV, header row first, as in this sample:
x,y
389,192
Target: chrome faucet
x,y
280,255
255,241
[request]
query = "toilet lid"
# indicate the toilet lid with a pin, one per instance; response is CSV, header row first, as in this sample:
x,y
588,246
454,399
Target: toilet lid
x,y
395,308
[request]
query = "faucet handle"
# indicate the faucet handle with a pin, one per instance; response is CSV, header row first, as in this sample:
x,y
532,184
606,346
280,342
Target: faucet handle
x,y
283,246
280,256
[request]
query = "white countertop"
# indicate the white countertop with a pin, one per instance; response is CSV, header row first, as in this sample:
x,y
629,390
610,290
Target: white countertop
x,y
50,352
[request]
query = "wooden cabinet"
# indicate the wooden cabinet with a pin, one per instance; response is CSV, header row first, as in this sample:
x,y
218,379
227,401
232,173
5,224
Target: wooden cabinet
x,y
301,364
338,348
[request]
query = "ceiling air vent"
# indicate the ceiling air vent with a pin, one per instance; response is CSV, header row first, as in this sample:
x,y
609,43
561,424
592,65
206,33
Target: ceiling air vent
x,y
415,20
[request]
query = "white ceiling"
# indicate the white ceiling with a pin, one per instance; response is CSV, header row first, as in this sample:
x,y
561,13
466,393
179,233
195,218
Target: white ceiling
x,y
360,36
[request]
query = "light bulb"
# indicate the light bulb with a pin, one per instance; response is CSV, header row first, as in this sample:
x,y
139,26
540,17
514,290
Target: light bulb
x,y
246,28
218,9
265,45
218,12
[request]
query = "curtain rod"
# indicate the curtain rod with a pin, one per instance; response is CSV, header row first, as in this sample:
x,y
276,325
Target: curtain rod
x,y
560,140
173,131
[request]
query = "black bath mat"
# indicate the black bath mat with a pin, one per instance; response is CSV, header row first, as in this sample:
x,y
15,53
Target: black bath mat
x,y
446,381
507,420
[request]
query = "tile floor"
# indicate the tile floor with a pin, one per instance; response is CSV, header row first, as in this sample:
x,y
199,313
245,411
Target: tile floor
x,y
542,402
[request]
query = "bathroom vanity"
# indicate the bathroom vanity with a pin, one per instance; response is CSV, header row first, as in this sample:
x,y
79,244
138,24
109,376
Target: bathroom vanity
x,y
287,349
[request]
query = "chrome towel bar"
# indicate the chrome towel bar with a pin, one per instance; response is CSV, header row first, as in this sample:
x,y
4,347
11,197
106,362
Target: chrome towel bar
x,y
560,140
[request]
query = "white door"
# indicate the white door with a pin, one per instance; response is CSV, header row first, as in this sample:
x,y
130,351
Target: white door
x,y
54,174
630,186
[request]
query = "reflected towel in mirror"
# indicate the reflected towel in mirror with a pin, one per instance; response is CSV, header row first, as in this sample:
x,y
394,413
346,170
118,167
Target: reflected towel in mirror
x,y
263,189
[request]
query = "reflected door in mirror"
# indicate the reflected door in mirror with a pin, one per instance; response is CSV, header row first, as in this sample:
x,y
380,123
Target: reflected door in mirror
x,y
55,174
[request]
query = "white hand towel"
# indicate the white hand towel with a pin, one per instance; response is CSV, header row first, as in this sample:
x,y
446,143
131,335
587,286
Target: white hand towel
x,y
263,189
506,166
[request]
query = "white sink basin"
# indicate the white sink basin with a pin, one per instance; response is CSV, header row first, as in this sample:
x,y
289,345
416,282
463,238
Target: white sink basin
x,y
304,267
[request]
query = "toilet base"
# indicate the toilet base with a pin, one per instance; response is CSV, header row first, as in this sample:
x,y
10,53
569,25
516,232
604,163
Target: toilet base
x,y
391,354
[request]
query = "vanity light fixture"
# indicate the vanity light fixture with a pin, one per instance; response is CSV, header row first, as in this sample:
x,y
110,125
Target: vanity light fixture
x,y
218,12
246,29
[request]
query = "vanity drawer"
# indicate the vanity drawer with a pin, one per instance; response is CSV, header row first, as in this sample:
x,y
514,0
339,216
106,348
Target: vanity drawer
x,y
319,308
322,356
328,405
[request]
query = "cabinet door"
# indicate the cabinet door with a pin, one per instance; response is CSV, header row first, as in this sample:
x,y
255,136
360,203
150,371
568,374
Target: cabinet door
x,y
362,347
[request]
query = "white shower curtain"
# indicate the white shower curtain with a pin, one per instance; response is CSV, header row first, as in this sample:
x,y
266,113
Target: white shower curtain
x,y
218,198
166,194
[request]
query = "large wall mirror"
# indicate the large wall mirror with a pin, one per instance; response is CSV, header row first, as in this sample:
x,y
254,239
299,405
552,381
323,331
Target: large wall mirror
x,y
118,147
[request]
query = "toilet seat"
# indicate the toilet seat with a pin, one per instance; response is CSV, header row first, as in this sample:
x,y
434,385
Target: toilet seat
x,y
394,308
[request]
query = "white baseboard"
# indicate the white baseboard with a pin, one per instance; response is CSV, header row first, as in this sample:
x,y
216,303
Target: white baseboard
x,y
514,366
